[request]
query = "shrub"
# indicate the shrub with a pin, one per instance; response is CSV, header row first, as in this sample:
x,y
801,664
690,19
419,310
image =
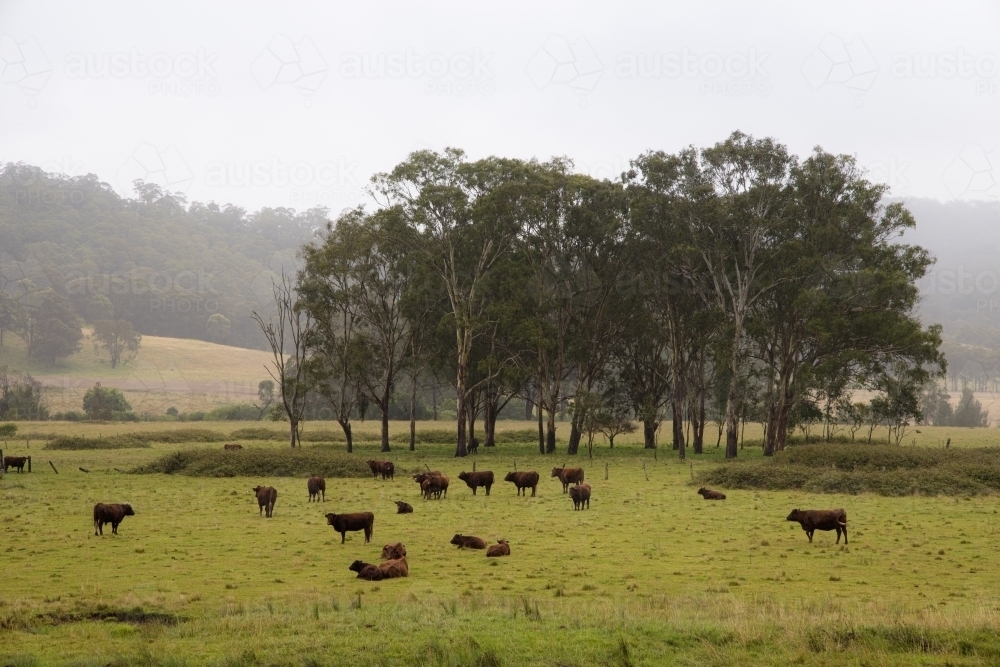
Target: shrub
x,y
257,433
7,430
172,411
436,436
69,416
184,435
520,437
105,403
301,462
75,442
233,413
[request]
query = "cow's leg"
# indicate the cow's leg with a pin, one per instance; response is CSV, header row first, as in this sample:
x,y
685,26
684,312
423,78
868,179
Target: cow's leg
x,y
845,534
114,528
474,490
810,534
533,492
96,526
343,536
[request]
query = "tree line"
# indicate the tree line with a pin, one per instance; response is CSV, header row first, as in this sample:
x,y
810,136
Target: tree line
x,y
736,279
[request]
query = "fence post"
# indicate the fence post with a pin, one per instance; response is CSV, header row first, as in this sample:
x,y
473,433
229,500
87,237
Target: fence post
x,y
53,466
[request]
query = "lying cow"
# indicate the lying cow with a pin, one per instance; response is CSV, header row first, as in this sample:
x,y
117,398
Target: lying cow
x,y
568,476
232,447
113,513
580,494
14,462
468,542
709,494
501,548
474,480
435,486
266,497
523,481
813,520
352,522
366,571
317,486
403,508
393,551
397,567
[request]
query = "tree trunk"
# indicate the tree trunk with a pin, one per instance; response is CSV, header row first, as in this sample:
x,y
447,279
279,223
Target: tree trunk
x,y
649,433
528,404
293,428
538,409
550,440
385,425
413,416
434,400
732,420
346,425
460,448
699,427
490,418
574,436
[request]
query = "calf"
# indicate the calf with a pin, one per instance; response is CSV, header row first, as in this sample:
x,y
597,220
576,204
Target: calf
x,y
436,486
523,481
232,446
709,494
393,551
266,497
366,571
468,542
14,462
317,485
813,520
113,513
394,568
356,521
501,548
388,470
474,480
568,476
403,508
580,494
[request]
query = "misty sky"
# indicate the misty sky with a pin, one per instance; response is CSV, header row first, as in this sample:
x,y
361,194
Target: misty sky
x,y
297,104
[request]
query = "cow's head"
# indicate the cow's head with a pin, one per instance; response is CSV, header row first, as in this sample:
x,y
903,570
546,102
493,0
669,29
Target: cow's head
x,y
330,518
128,509
501,541
357,565
794,516
702,491
511,476
556,472
463,476
457,539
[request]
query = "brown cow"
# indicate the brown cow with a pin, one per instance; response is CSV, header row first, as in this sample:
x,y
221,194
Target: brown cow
x,y
317,485
474,480
356,521
568,476
580,494
366,570
403,508
813,520
388,470
393,551
266,497
501,548
232,446
394,568
113,513
14,462
468,542
523,480
473,446
435,485
709,494
421,476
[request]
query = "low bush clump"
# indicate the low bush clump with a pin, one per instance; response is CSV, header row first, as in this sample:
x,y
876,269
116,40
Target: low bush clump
x,y
73,442
7,430
184,435
881,469
526,436
243,412
257,433
435,436
301,462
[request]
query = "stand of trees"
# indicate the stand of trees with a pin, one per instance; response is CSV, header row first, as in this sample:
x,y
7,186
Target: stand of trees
x,y
735,279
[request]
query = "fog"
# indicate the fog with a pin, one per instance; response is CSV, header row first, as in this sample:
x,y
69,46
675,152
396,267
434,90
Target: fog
x,y
298,104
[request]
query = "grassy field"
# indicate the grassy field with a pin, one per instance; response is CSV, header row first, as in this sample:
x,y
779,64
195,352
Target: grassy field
x,y
650,575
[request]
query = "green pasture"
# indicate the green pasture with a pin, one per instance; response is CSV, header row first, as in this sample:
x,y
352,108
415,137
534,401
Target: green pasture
x,y
650,575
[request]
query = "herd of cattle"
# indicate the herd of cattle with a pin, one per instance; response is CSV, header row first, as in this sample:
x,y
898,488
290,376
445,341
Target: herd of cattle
x,y
434,485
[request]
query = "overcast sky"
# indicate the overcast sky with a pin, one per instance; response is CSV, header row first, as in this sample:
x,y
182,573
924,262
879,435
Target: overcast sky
x,y
297,104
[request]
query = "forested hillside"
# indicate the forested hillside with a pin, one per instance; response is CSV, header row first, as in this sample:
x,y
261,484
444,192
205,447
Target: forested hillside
x,y
165,265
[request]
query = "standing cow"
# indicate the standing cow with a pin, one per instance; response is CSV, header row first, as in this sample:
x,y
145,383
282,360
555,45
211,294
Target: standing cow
x,y
317,486
580,494
474,480
568,476
113,513
350,522
523,481
266,497
14,462
813,520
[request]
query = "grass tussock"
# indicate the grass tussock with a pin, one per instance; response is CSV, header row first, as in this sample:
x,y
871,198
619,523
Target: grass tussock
x,y
77,442
301,462
853,468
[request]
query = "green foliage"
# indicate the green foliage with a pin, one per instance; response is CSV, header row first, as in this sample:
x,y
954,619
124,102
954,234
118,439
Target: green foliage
x,y
124,441
257,433
100,308
218,327
106,403
21,397
7,430
970,411
887,470
242,412
301,462
180,435
51,327
118,338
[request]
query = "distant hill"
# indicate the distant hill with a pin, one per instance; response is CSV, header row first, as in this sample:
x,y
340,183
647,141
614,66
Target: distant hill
x,y
166,265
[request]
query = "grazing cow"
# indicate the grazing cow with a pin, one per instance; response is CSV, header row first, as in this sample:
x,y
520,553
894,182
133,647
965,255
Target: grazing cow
x,y
356,521
468,542
14,462
501,548
568,476
709,494
813,520
388,470
580,494
394,568
232,446
366,570
113,513
393,551
473,445
523,481
403,508
436,486
266,497
483,478
317,485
